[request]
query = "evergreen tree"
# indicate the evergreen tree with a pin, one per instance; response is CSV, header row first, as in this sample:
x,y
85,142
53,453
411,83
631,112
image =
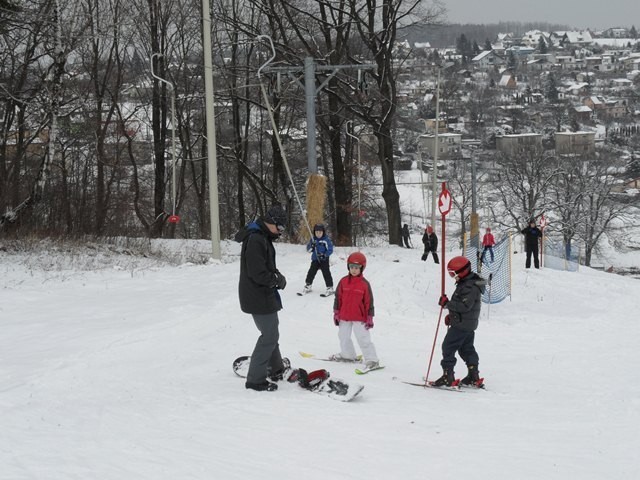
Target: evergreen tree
x,y
633,33
550,88
476,48
464,48
487,45
542,45
633,167
512,63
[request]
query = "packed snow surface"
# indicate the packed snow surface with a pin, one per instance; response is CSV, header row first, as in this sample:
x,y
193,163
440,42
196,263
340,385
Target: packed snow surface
x,y
122,370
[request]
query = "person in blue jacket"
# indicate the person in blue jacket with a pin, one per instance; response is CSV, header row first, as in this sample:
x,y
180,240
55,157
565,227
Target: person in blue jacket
x,y
321,249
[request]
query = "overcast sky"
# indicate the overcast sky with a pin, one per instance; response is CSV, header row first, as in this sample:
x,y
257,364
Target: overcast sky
x,y
594,14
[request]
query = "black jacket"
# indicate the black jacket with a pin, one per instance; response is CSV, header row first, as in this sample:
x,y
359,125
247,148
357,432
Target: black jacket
x,y
465,303
430,242
257,286
532,236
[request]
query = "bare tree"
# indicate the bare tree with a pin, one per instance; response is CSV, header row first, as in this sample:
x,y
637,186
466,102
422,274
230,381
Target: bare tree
x,y
62,27
599,205
523,184
378,24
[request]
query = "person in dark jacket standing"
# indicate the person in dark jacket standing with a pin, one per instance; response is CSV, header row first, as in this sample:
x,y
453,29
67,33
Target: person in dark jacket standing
x,y
532,236
430,241
258,288
462,320
406,236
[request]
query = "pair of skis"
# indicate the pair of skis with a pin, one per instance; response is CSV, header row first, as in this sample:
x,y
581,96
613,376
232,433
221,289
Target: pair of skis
x,y
323,294
358,359
456,386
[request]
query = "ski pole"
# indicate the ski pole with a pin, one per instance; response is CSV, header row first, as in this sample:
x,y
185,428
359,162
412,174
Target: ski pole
x,y
433,347
444,205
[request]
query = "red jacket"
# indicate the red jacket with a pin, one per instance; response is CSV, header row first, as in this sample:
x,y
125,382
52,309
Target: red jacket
x,y
488,240
354,299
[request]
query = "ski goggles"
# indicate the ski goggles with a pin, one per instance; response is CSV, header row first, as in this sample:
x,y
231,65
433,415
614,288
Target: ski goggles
x,y
355,265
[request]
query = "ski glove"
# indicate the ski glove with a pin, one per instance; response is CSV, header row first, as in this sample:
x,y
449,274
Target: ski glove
x,y
443,300
336,320
281,282
447,320
369,323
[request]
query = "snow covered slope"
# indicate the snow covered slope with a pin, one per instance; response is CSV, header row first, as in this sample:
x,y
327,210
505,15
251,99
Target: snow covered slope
x,y
125,373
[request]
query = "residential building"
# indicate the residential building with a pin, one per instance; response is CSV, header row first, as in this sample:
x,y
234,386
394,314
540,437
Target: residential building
x,y
487,59
449,145
508,81
510,144
575,142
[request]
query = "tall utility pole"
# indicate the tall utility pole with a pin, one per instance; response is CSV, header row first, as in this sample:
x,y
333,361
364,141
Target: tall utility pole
x,y
475,230
214,211
434,184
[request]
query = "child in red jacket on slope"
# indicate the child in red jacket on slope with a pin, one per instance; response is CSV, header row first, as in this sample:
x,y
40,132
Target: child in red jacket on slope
x,y
353,311
487,243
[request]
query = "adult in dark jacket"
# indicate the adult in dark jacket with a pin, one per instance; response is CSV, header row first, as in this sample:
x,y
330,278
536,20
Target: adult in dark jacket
x,y
430,241
258,288
406,236
464,311
532,236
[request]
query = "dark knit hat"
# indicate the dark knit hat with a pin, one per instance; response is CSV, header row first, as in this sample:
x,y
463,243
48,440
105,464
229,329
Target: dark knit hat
x,y
277,216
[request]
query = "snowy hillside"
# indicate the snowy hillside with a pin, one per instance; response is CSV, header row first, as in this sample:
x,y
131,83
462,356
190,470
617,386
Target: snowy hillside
x,y
124,372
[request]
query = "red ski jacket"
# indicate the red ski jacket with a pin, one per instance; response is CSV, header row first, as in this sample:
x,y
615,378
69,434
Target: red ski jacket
x,y
488,240
354,299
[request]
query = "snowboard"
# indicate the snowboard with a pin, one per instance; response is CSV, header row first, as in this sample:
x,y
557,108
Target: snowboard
x,y
332,387
327,359
364,371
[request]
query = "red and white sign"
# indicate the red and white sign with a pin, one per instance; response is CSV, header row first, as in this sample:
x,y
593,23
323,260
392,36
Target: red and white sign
x,y
543,222
444,201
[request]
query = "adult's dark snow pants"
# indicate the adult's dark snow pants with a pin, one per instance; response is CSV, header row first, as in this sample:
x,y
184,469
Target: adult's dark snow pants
x,y
266,354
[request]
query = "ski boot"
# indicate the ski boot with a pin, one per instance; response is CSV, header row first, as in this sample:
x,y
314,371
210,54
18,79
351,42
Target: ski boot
x,y
446,380
262,387
282,374
473,377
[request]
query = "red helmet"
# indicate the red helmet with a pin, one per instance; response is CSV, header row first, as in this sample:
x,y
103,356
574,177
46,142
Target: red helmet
x,y
459,266
358,258
488,229
429,229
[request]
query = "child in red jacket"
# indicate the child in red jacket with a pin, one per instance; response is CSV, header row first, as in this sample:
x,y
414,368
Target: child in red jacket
x,y
353,311
487,243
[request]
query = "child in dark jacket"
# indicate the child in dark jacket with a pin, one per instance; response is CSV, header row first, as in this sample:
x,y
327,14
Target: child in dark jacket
x,y
321,249
462,320
430,241
353,311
